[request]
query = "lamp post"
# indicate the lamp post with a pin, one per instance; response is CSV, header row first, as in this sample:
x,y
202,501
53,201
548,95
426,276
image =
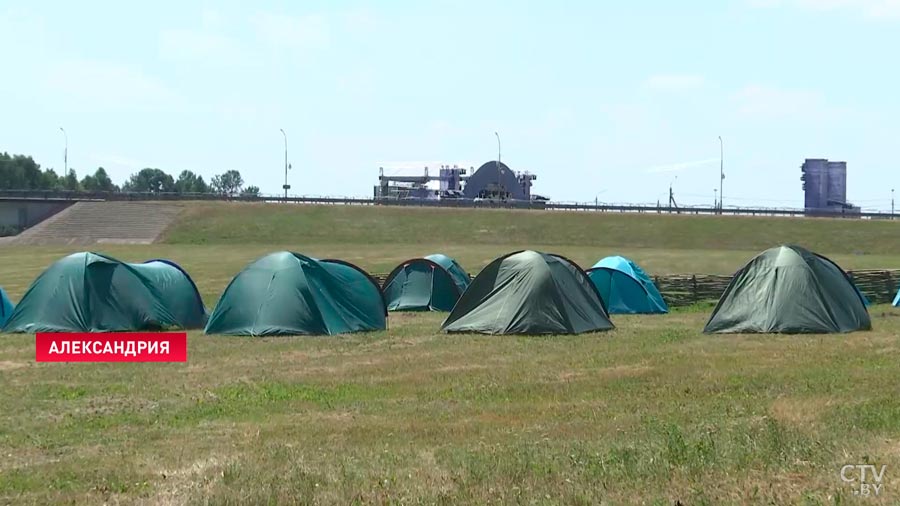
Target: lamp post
x,y
715,199
498,149
721,171
66,151
286,186
892,203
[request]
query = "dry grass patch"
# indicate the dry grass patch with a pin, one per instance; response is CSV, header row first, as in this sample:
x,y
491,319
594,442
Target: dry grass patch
x,y
194,478
624,371
9,365
461,368
799,411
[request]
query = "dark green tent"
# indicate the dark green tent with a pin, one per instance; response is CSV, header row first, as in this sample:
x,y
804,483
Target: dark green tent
x,y
89,292
290,294
6,307
790,290
529,293
432,283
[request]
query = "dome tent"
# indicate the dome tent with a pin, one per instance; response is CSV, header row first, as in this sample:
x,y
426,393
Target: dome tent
x,y
6,307
178,289
528,292
789,290
432,283
287,293
625,288
90,292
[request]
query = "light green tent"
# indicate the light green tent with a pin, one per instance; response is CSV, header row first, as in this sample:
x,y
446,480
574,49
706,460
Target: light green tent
x,y
528,292
432,283
790,290
290,294
89,292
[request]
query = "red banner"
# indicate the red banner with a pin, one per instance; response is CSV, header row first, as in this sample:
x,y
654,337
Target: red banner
x,y
111,347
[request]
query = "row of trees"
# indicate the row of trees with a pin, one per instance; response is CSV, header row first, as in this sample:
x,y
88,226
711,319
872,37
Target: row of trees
x,y
19,172
157,181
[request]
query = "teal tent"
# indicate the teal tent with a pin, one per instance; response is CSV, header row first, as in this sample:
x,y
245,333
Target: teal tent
x,y
90,292
178,290
528,292
432,283
287,293
6,307
626,288
793,291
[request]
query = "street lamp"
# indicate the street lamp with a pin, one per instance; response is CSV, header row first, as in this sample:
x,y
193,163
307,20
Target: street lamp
x,y
66,152
286,186
892,203
498,149
721,171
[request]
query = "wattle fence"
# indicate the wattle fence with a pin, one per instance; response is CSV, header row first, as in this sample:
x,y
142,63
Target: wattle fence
x,y
879,286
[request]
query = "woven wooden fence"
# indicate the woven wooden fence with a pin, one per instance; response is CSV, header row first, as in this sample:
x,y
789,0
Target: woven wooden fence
x,y
687,289
879,286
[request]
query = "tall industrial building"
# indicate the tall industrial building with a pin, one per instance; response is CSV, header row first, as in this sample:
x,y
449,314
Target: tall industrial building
x,y
825,187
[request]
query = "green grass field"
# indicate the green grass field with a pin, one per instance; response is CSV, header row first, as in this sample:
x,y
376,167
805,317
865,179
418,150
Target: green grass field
x,y
652,413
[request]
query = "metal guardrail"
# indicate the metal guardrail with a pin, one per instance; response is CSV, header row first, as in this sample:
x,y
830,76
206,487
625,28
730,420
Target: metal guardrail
x,y
73,196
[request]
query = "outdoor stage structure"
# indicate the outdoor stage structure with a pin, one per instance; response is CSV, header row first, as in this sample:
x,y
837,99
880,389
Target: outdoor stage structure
x,y
494,181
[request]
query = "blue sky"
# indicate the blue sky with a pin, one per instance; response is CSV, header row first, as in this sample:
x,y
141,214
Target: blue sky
x,y
601,99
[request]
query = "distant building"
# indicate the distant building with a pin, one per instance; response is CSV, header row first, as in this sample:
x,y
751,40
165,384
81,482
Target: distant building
x,y
825,187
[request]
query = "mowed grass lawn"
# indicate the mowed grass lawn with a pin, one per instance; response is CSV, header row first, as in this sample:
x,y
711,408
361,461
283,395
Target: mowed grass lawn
x,y
654,412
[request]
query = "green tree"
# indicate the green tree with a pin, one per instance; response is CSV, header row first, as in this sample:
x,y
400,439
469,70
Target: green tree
x,y
188,182
251,191
151,181
99,182
102,182
50,180
19,172
229,183
71,181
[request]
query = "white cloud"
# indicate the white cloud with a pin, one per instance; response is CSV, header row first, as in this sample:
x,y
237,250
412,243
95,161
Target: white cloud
x,y
360,21
193,45
674,82
209,42
220,37
292,32
100,84
768,102
678,167
875,9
